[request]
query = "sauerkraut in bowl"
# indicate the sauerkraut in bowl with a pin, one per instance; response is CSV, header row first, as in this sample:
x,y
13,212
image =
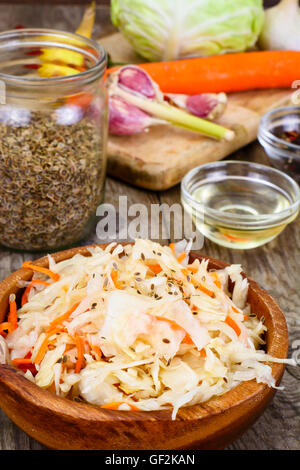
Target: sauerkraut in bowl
x,y
136,327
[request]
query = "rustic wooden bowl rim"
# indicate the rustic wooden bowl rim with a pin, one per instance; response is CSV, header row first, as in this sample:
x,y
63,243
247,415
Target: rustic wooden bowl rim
x,y
277,346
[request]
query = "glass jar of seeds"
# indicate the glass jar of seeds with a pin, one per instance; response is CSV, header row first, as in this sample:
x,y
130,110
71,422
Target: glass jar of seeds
x,y
53,132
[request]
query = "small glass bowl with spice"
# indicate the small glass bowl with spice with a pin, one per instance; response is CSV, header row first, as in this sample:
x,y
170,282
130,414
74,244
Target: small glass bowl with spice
x,y
53,133
240,205
279,134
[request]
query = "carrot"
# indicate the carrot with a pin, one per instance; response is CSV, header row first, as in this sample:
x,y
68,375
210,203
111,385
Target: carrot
x,y
172,246
114,276
97,350
20,361
234,238
233,325
12,316
63,317
202,288
79,362
227,73
235,309
48,272
206,291
5,326
25,364
181,257
156,268
246,318
115,406
187,339
193,269
81,99
203,353
24,299
217,281
174,325
43,348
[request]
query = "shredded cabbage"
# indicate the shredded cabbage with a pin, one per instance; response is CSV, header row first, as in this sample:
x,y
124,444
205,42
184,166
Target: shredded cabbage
x,y
147,330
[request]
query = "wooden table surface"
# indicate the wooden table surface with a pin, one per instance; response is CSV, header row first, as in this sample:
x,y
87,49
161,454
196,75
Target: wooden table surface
x,y
275,266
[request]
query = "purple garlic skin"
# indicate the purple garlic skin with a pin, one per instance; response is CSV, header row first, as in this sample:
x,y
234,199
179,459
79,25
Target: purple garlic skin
x,y
136,80
206,105
201,105
126,119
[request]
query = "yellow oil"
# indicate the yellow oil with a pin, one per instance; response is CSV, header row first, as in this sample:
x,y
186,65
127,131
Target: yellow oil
x,y
242,198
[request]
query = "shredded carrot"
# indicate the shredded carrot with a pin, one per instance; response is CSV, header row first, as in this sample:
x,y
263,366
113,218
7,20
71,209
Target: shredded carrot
x,y
48,272
234,238
193,269
81,99
114,276
235,309
115,406
246,318
185,272
181,257
172,246
96,349
6,326
63,317
174,325
43,348
233,325
203,353
202,288
206,291
187,339
25,364
20,361
217,281
156,268
12,316
24,299
79,362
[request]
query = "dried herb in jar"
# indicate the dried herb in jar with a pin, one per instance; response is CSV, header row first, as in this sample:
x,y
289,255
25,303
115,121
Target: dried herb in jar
x,y
51,170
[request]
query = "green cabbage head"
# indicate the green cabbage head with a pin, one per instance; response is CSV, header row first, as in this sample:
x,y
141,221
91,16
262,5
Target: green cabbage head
x,y
175,29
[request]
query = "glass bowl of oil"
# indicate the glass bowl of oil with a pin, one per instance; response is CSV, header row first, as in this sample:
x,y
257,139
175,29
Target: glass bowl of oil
x,y
240,205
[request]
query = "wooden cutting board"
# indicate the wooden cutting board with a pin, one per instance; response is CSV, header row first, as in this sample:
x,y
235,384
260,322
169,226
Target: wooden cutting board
x,y
158,159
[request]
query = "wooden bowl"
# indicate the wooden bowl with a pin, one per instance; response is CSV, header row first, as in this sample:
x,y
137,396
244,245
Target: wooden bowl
x,y
59,423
